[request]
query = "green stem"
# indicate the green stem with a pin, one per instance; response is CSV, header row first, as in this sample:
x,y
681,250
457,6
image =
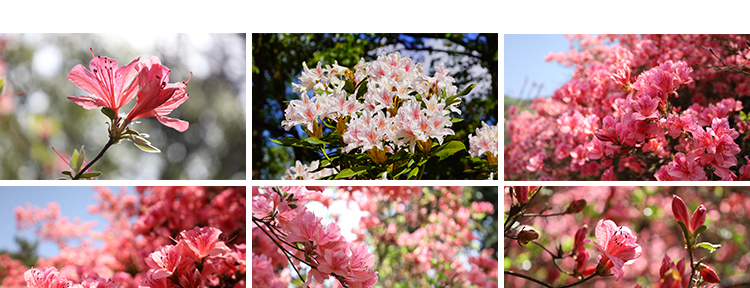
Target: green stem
x,y
101,153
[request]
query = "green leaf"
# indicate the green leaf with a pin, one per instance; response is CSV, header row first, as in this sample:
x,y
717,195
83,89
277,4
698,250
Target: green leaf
x,y
143,144
74,161
700,230
684,230
81,158
109,113
467,90
349,87
413,173
314,141
286,141
348,172
448,149
90,175
62,178
2,84
293,206
362,88
743,116
67,173
708,246
456,120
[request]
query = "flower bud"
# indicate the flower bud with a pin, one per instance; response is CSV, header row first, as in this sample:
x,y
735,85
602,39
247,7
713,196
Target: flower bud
x,y
521,193
526,235
699,217
679,209
580,236
708,274
576,206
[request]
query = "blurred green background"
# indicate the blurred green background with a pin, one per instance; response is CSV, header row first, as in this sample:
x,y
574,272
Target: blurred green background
x,y
33,123
277,62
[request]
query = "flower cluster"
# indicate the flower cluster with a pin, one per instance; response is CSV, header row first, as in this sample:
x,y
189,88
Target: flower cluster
x,y
647,107
198,259
382,108
484,142
280,217
429,229
194,236
392,82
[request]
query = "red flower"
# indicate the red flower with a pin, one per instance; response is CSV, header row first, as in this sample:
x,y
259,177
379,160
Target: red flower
x,y
157,97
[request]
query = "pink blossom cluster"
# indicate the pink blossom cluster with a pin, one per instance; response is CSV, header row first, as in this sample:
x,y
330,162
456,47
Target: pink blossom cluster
x,y
414,103
485,141
438,225
646,107
306,172
208,221
280,216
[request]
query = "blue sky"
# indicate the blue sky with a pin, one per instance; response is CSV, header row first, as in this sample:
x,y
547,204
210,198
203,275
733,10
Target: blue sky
x,y
524,59
73,201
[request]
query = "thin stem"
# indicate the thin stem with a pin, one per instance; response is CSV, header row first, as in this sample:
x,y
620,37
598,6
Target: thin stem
x,y
284,251
101,153
527,277
579,282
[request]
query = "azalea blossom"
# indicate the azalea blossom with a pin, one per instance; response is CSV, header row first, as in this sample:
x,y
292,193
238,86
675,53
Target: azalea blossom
x,y
201,242
157,97
111,86
617,245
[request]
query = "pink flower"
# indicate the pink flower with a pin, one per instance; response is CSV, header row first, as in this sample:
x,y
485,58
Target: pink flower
x,y
47,278
157,97
617,245
164,261
202,242
335,262
111,86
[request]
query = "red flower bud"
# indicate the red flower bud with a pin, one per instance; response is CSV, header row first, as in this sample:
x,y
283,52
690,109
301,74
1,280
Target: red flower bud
x,y
699,217
521,193
576,206
708,274
679,209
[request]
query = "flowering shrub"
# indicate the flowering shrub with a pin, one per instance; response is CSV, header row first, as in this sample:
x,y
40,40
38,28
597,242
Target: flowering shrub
x,y
381,119
429,244
548,236
164,237
663,107
112,87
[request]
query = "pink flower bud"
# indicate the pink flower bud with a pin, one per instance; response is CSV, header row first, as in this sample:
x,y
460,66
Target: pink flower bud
x,y
699,217
679,209
708,274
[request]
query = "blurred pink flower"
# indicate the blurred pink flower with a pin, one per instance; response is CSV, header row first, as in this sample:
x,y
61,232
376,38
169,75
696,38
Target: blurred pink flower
x,y
617,245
